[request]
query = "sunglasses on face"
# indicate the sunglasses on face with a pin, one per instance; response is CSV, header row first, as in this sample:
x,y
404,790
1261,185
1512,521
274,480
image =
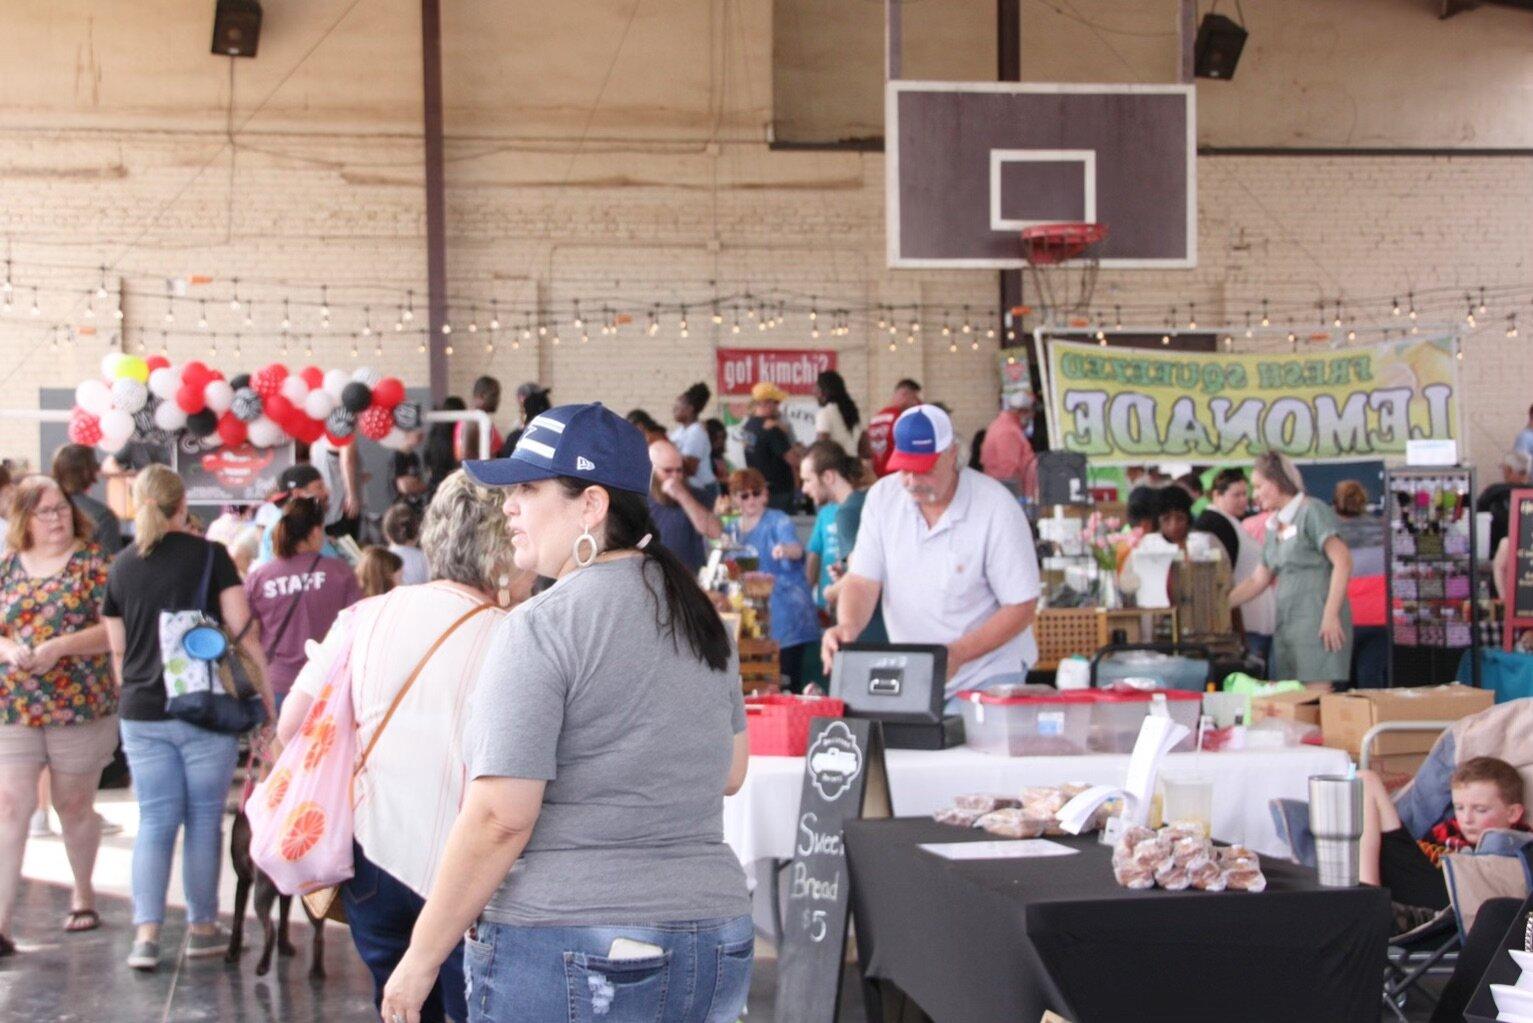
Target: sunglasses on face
x,y
746,495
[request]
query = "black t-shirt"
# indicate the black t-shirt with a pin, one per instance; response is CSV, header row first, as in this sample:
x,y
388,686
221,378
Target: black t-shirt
x,y
138,588
677,534
1497,499
765,447
402,464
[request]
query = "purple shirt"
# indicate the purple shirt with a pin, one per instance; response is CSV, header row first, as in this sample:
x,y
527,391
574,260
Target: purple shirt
x,y
295,600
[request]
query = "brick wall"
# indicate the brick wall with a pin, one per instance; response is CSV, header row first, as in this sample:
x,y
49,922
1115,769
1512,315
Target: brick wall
x,y
649,226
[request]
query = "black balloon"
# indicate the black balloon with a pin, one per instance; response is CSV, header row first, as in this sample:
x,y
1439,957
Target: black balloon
x,y
356,397
342,423
240,382
407,415
202,424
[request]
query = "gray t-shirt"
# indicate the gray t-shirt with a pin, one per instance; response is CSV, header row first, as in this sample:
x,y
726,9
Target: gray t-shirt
x,y
634,736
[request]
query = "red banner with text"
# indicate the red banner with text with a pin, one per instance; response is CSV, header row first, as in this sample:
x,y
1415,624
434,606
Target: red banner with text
x,y
794,370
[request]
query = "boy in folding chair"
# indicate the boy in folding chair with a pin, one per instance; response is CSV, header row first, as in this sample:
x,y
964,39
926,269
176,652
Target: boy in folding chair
x,y
1487,796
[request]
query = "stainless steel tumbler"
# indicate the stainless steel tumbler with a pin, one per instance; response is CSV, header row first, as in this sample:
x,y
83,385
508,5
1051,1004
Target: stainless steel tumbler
x,y
1336,820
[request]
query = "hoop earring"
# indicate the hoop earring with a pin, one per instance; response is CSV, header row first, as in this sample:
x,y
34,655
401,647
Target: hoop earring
x,y
585,537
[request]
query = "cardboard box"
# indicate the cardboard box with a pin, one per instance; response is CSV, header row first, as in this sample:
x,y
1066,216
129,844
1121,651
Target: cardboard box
x,y
1303,707
1346,717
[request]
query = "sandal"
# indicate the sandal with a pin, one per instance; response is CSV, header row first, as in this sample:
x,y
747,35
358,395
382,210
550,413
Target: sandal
x,y
80,920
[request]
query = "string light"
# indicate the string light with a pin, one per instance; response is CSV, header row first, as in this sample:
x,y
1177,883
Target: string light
x,y
202,314
1410,298
234,295
494,314
1469,316
1511,324
324,305
367,322
408,312
654,322
1229,343
1192,316
579,320
250,314
1117,318
1249,331
35,310
90,310
1396,310
473,319
1482,301
101,288
682,326
1266,320
236,346
718,316
1337,321
967,327
287,320
735,327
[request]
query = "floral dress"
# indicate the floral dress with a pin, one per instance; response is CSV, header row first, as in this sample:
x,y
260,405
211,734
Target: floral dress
x,y
32,611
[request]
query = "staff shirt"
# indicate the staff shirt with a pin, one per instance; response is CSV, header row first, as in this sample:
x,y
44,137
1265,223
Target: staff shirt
x,y
942,582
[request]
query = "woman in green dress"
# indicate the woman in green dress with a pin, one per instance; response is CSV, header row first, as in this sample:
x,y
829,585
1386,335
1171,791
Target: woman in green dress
x,y
1311,566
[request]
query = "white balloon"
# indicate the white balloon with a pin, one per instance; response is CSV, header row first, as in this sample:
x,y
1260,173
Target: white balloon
x,y
395,439
94,397
164,382
116,429
319,404
129,395
169,417
367,375
266,434
219,396
109,363
295,389
335,382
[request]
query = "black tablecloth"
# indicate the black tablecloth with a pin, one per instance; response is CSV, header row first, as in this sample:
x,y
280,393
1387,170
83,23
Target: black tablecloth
x,y
989,940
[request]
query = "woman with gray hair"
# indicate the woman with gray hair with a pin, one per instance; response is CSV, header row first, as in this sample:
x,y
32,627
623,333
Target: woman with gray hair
x,y
1306,556
414,658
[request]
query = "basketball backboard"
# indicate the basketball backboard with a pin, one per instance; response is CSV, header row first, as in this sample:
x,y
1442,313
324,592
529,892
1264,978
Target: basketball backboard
x,y
969,164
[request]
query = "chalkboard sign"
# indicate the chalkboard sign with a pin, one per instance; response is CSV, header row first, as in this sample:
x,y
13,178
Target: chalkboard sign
x,y
1519,589
240,475
844,779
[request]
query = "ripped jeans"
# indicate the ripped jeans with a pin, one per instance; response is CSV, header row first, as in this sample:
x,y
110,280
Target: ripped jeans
x,y
701,972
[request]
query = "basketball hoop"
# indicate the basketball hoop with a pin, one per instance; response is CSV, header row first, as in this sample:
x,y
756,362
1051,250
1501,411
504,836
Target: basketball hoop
x,y
1062,263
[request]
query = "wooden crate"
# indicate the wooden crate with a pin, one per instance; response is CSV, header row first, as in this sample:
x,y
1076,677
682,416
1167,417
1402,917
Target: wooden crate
x,y
1064,631
760,667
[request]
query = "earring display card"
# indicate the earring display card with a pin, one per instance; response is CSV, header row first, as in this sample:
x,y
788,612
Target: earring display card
x,y
1430,559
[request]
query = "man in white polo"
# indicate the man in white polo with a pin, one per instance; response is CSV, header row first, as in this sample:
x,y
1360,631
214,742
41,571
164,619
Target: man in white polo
x,y
950,553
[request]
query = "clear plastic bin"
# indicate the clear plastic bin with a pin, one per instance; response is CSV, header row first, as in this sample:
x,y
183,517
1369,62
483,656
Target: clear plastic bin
x,y
1012,724
1118,714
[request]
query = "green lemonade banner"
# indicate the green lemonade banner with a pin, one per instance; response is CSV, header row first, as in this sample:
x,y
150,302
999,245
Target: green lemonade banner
x,y
1126,406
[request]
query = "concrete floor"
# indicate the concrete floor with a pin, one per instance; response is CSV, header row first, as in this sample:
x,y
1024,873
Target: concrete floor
x,y
65,978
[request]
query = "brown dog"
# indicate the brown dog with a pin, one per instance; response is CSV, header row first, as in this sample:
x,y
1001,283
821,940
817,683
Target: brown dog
x,y
266,893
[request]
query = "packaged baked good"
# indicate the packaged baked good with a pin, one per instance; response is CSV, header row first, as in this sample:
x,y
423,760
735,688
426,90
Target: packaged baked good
x,y
1132,835
957,816
1205,873
1245,879
1043,802
1012,822
981,802
1237,853
1172,878
1130,875
1185,850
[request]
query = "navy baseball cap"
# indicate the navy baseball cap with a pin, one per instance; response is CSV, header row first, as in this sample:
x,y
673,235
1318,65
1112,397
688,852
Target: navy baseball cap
x,y
584,442
921,434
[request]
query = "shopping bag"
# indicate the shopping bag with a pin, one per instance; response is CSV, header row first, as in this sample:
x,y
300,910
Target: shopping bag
x,y
301,814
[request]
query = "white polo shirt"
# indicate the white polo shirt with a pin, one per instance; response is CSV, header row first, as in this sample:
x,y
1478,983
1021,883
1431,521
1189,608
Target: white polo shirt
x,y
942,582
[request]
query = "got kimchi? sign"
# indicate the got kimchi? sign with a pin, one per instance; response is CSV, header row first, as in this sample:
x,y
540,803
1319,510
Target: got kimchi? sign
x,y
794,370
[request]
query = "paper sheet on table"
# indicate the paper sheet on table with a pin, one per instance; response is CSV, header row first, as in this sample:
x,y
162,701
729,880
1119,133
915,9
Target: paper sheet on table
x,y
1006,849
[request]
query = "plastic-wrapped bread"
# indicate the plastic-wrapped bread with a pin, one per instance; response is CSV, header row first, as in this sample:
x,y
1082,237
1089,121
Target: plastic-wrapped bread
x,y
1185,850
1173,878
1130,875
1012,822
957,816
1043,802
1183,829
981,802
1236,853
1132,835
1205,874
1245,879
1153,853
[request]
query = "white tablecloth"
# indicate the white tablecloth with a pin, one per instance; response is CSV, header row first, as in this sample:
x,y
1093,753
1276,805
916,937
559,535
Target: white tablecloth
x,y
760,819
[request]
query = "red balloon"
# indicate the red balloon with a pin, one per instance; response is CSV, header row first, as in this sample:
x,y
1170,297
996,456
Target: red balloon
x,y
313,376
84,428
215,374
277,370
389,392
339,442
231,431
191,398
309,430
376,422
195,374
277,407
155,362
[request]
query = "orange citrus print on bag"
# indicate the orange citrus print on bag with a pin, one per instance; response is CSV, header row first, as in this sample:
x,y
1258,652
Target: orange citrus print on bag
x,y
320,741
305,827
276,787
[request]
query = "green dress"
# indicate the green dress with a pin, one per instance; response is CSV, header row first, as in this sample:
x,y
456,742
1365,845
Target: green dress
x,y
1303,581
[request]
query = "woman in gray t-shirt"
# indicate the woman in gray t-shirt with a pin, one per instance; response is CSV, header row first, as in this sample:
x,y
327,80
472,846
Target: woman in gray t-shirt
x,y
588,862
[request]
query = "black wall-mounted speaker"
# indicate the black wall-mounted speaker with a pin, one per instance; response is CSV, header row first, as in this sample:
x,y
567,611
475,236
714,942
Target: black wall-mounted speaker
x,y
1218,47
237,28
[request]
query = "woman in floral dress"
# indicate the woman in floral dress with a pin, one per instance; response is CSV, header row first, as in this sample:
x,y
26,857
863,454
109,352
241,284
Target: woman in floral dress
x,y
58,706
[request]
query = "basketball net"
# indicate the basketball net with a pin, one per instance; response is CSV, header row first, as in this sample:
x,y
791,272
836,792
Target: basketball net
x,y
1062,264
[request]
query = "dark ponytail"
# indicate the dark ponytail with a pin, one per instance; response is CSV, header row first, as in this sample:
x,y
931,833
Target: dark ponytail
x,y
684,610
828,456
300,517
833,385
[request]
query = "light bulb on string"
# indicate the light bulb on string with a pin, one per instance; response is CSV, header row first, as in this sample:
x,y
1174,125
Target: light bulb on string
x,y
953,346
236,347
882,319
117,312
213,347
761,325
324,304
718,315
1229,343
584,337
967,327
90,310
1482,301
202,314
974,345
682,326
910,339
1396,309
408,312
1249,331
734,328
814,314
1469,316
893,345
494,315
35,310
101,288
378,348
1511,325
1458,351
447,350
1337,321
947,329
1165,340
1266,320
446,329
555,338
473,319
165,343
1117,318
1102,338
142,347
1192,316
1410,299
367,322
308,346
915,325
1293,340
234,295
1351,335
421,347
542,329
287,320
579,320
354,346
7,287
527,328
654,323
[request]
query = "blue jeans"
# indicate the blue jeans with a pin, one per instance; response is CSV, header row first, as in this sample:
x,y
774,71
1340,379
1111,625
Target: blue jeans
x,y
382,911
547,974
181,776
